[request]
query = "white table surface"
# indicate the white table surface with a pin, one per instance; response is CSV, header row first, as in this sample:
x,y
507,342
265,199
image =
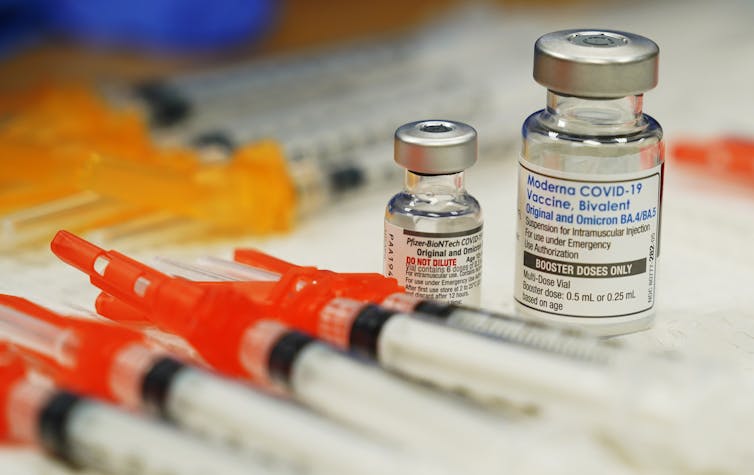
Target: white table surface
x,y
705,292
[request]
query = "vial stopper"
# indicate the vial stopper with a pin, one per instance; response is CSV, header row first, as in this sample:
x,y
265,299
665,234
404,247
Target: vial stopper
x,y
596,63
435,147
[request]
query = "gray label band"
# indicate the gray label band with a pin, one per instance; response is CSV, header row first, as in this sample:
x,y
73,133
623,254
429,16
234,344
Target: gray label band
x,y
469,232
587,271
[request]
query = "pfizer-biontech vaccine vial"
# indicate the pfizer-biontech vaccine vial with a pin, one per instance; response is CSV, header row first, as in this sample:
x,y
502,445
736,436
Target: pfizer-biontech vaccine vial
x,y
590,185
433,228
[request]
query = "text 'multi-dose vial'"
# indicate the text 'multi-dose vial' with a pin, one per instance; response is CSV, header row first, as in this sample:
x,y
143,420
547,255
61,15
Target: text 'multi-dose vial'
x,y
433,228
590,185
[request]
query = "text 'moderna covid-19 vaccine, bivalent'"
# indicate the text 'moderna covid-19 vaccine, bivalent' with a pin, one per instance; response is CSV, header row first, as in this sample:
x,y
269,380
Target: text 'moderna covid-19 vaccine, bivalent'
x,y
433,228
590,185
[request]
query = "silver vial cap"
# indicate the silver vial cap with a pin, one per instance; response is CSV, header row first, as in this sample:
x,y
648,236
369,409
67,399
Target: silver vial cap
x,y
435,147
596,63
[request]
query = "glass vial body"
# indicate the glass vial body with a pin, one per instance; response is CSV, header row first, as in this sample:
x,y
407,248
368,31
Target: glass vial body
x,y
589,208
433,238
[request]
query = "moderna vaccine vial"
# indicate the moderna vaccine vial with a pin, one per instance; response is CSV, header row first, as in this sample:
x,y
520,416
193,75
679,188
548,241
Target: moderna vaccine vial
x,y
433,228
590,185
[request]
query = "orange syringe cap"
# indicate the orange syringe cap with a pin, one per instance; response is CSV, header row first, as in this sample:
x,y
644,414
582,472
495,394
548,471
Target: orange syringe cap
x,y
302,292
729,156
77,353
210,316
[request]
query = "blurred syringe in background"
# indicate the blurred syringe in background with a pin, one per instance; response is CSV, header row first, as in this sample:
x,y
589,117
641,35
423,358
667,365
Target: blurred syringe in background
x,y
332,112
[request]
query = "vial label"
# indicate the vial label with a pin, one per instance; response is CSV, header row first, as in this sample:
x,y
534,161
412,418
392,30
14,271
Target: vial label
x,y
587,248
436,266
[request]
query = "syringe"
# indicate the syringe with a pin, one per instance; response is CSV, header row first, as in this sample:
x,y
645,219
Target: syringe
x,y
212,192
95,157
254,265
209,313
287,78
728,157
564,452
94,435
289,99
420,346
117,364
457,50
638,400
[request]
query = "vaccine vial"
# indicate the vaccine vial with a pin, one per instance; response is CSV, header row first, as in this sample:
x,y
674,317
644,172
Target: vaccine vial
x,y
590,185
433,228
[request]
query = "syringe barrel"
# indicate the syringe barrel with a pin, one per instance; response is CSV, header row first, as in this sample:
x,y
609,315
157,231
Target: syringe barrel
x,y
270,352
396,410
94,435
484,368
638,400
513,330
487,369
362,396
228,410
